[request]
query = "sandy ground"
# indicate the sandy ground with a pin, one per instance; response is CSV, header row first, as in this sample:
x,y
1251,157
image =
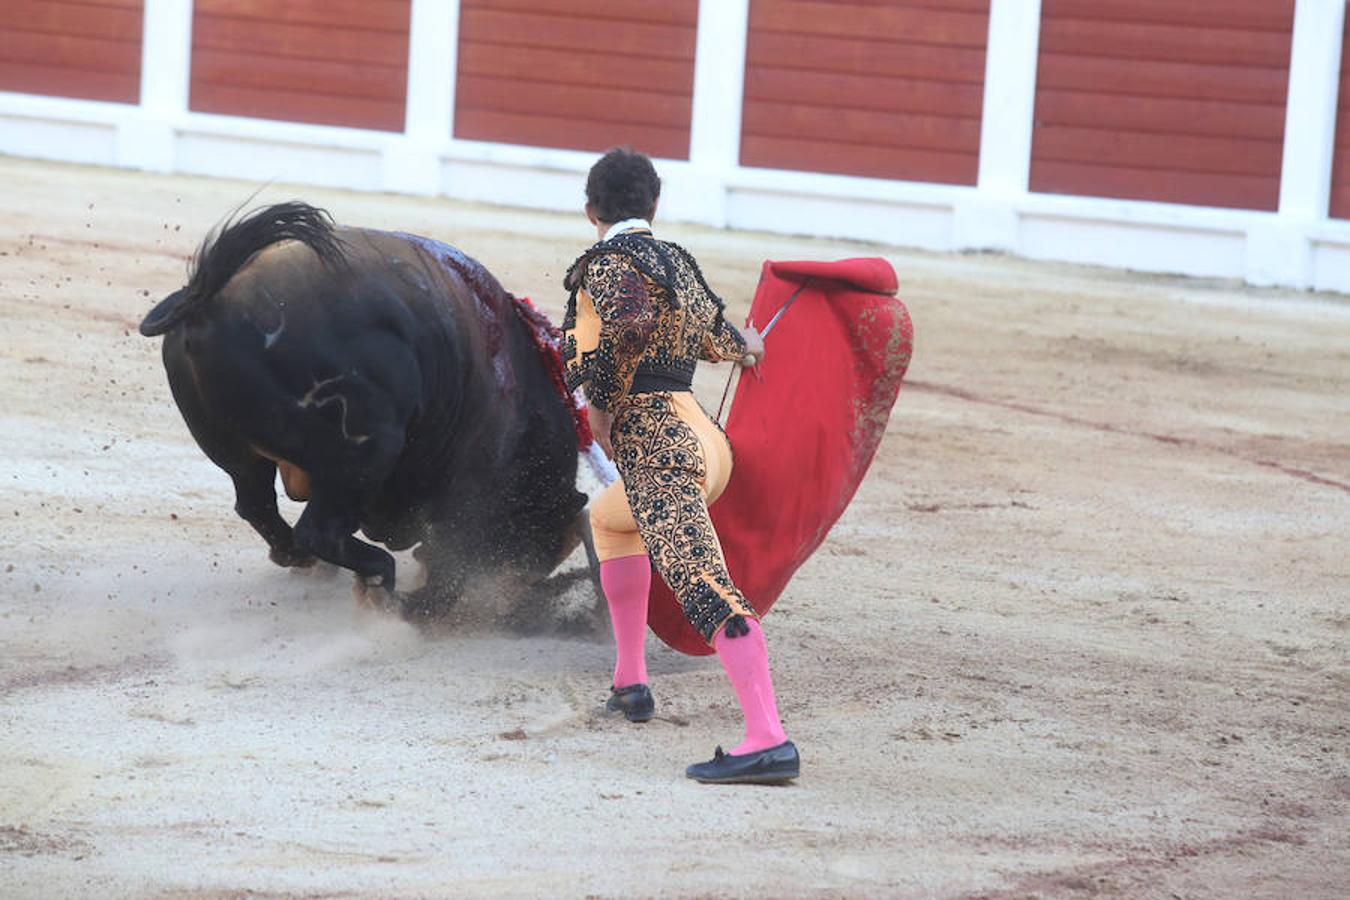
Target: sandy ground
x,y
1083,631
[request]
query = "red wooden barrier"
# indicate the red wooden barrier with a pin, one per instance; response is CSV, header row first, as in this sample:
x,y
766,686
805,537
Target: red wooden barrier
x,y
1160,100
888,90
1340,169
327,62
577,74
90,49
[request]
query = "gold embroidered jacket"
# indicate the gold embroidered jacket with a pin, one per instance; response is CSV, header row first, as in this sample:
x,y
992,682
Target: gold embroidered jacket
x,y
640,312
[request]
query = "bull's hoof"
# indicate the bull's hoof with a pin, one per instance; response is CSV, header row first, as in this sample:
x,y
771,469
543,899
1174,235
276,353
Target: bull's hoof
x,y
373,596
291,559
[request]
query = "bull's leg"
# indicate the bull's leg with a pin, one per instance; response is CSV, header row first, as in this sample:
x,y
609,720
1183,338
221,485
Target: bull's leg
x,y
325,529
583,526
254,476
256,503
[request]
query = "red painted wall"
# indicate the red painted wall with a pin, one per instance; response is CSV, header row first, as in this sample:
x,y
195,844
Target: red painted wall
x,y
577,74
1340,168
326,62
1180,102
880,89
89,49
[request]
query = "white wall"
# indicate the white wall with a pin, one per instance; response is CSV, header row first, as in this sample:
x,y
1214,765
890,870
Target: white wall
x,y
1297,246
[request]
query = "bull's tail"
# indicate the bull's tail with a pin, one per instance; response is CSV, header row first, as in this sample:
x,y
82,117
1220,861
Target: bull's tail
x,y
232,243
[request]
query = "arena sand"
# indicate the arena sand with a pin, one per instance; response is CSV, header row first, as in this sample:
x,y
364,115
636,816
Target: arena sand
x,y
1082,632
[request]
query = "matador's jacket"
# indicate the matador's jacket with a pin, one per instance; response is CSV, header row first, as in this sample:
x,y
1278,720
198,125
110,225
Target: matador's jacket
x,y
639,318
640,308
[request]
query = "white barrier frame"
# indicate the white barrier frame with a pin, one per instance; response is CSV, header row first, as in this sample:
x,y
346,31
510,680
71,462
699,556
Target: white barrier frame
x,y
1297,246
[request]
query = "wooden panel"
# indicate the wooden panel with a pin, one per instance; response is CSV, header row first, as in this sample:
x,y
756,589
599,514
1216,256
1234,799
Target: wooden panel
x,y
576,32
1145,78
1260,15
325,62
61,17
830,89
1340,194
1166,43
1340,162
118,58
1165,152
608,10
857,159
298,105
577,74
893,22
67,48
293,41
1165,101
865,87
226,68
545,131
372,15
977,6
614,103
1157,185
868,127
1163,115
570,67
809,53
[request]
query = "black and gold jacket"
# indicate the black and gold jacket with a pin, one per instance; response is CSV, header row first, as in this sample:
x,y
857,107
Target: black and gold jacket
x,y
639,317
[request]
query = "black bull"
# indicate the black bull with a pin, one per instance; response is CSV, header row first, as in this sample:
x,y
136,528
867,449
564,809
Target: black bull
x,y
393,383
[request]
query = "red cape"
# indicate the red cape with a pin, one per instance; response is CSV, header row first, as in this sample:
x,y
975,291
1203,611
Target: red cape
x,y
804,424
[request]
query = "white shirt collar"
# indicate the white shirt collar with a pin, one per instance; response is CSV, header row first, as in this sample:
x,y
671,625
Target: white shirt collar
x,y
627,224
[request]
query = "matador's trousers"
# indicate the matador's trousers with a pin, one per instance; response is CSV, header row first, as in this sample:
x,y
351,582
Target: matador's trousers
x,y
674,461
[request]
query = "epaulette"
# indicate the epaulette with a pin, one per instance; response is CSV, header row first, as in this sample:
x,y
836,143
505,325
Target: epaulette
x,y
623,245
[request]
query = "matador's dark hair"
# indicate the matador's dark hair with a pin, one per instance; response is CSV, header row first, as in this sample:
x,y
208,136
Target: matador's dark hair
x,y
623,184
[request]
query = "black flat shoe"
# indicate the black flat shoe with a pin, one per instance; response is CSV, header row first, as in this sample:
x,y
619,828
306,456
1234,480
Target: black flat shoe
x,y
775,765
635,702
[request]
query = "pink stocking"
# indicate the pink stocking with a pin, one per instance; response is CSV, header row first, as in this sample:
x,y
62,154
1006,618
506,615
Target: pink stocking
x,y
746,661
627,581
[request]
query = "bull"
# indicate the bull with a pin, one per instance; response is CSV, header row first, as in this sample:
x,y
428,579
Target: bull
x,y
395,385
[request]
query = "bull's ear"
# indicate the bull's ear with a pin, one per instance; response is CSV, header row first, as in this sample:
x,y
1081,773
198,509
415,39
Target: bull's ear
x,y
166,314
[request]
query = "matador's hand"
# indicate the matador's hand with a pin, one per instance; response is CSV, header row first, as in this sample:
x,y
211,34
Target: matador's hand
x,y
754,346
602,422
